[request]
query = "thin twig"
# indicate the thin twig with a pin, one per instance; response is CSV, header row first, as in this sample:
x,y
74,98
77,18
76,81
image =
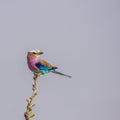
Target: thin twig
x,y
28,114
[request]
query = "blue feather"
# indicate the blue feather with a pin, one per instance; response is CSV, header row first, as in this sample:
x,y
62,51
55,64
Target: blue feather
x,y
42,68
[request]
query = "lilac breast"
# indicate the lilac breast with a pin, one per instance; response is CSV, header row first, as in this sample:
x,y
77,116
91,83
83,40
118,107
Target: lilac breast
x,y
32,62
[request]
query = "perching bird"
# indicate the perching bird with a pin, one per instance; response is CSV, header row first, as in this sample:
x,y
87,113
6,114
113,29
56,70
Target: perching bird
x,y
38,65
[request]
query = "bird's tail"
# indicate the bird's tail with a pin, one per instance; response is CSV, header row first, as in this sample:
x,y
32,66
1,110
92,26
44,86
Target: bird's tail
x,y
56,72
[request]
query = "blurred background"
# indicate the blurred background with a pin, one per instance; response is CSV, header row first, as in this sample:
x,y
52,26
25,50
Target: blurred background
x,y
82,38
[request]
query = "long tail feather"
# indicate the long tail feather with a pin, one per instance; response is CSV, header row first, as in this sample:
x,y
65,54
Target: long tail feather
x,y
56,72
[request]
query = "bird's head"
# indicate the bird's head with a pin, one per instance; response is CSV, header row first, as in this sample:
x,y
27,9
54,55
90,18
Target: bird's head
x,y
35,53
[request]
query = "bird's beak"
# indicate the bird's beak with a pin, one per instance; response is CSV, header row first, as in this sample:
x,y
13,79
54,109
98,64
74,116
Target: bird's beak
x,y
41,53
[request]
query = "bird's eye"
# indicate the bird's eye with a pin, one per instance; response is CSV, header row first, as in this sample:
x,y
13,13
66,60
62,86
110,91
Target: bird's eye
x,y
34,53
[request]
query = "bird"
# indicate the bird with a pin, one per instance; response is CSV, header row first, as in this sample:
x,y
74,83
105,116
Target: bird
x,y
38,65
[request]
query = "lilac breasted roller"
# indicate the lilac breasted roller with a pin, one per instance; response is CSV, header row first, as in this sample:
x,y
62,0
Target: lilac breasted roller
x,y
38,65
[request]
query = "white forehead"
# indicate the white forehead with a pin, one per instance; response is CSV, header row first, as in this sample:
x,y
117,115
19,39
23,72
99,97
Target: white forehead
x,y
35,51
